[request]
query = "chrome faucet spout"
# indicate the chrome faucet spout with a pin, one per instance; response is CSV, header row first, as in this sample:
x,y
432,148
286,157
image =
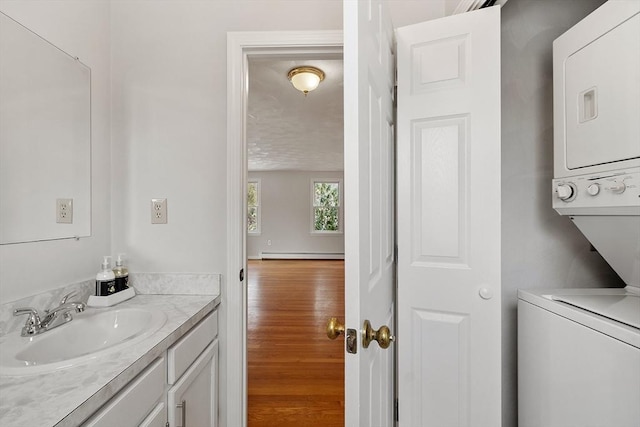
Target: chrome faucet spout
x,y
61,314
52,318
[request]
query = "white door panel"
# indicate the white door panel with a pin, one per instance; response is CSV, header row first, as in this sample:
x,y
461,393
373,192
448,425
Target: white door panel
x,y
369,221
448,185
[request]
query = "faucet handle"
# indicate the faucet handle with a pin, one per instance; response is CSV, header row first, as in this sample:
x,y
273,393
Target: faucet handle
x,y
33,320
71,294
32,312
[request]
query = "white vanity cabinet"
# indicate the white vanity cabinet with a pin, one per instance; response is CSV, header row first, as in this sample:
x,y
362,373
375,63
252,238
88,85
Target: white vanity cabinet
x,y
192,398
179,389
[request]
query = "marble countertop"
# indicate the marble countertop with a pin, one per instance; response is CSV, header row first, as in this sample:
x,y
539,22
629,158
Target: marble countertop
x,y
68,396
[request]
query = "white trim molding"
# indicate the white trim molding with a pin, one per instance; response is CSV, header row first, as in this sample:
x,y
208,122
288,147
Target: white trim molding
x,y
240,46
301,255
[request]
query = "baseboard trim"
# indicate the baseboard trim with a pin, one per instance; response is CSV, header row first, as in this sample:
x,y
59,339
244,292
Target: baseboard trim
x,y
301,255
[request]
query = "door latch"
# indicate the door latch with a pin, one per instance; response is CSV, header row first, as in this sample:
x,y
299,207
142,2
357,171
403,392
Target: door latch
x,y
352,341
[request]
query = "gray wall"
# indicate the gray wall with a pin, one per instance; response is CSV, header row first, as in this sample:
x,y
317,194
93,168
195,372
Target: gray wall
x,y
540,249
286,215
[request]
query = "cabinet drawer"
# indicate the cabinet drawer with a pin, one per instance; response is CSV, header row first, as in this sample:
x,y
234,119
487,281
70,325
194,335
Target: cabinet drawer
x,y
132,404
186,350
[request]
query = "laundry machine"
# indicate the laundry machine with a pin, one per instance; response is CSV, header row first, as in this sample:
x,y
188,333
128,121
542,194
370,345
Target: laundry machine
x,y
579,358
579,349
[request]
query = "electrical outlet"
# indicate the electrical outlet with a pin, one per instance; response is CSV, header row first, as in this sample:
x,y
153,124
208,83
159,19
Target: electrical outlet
x,y
64,211
268,242
158,211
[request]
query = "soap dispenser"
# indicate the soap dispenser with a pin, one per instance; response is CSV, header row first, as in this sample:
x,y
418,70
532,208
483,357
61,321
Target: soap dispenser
x,y
105,279
121,273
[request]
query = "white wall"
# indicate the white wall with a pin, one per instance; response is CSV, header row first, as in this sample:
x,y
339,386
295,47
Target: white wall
x,y
286,215
169,126
81,28
540,249
169,121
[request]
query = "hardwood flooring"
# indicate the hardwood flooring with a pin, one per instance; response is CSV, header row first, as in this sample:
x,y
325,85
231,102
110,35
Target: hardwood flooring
x,y
295,373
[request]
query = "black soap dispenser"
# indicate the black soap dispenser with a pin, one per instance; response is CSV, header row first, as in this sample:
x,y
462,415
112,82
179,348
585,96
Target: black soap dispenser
x,y
121,274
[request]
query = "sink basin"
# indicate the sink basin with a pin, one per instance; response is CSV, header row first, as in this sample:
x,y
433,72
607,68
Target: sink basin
x,y
90,335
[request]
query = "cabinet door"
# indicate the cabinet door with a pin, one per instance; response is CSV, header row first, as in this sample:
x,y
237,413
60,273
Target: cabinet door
x,y
193,400
157,417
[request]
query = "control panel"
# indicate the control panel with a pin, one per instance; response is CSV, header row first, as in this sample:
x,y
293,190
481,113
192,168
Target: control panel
x,y
613,193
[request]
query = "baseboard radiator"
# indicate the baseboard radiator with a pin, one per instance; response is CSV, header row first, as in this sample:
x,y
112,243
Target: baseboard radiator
x,y
301,255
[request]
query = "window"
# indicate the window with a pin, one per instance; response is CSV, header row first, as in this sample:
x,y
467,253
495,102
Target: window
x,y
253,206
327,206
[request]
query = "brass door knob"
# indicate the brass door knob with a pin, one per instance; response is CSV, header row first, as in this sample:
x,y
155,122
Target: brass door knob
x,y
334,328
382,336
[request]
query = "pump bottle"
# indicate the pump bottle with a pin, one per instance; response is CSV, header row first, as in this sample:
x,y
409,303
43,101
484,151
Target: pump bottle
x,y
121,274
105,279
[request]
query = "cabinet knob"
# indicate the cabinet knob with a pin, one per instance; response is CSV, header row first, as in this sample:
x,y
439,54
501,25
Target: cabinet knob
x,y
485,293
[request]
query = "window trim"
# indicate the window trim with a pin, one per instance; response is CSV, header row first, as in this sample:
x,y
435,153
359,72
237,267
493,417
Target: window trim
x,y
258,229
340,229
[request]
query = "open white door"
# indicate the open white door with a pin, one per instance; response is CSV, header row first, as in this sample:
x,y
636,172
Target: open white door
x,y
369,221
449,289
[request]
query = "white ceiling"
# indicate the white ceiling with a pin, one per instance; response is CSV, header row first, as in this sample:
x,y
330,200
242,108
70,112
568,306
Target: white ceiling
x,y
285,129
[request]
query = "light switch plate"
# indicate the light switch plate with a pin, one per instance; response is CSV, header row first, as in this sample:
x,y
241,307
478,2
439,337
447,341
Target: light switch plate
x,y
64,211
158,211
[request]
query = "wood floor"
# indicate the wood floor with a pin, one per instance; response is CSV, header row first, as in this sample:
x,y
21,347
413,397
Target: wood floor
x,y
295,373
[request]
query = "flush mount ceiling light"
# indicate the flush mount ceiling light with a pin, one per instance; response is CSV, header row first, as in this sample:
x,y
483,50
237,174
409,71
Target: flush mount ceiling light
x,y
306,79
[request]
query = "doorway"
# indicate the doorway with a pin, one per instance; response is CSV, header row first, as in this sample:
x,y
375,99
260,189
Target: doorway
x,y
295,375
241,46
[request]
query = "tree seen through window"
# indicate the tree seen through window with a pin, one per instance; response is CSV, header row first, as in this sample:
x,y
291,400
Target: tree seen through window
x,y
253,207
326,206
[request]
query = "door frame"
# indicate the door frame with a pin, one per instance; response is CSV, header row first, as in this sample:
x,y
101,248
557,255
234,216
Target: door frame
x,y
233,307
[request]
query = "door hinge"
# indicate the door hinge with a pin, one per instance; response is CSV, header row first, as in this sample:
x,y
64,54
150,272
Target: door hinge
x,y
396,412
241,274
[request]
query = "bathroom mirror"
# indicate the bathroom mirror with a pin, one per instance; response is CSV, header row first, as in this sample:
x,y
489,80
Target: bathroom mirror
x,y
45,139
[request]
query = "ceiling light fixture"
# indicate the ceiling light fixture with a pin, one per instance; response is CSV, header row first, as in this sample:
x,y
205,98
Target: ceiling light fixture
x,y
306,79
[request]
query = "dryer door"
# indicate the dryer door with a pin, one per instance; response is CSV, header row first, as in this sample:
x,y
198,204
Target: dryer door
x,y
602,98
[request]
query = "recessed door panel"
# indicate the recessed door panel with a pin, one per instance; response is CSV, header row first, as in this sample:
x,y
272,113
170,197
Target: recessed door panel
x,y
439,367
439,216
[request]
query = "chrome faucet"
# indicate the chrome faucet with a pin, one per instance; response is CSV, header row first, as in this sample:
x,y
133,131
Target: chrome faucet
x,y
52,318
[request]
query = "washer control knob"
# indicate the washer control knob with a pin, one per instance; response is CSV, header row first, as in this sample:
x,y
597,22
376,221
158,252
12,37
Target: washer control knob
x,y
593,189
618,187
564,191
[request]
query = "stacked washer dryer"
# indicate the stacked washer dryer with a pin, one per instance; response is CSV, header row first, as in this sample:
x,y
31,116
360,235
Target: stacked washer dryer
x,y
579,349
